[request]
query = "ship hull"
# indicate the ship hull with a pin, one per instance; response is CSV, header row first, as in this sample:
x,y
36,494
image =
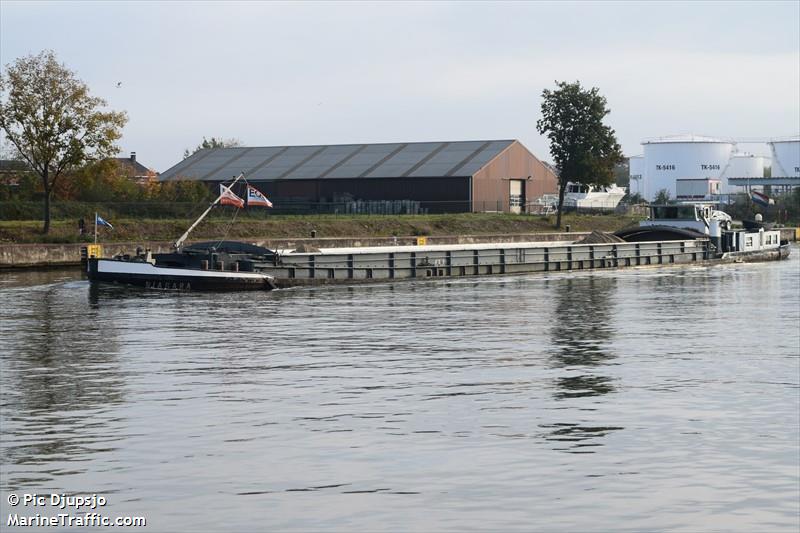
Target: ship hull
x,y
142,274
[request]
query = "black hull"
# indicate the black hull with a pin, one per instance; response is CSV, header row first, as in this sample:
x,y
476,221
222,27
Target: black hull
x,y
775,254
180,280
752,225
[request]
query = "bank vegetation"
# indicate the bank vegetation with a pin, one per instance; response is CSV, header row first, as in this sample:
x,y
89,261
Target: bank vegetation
x,y
258,227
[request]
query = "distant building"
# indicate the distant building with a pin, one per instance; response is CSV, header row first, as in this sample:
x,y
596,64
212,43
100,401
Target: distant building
x,y
433,177
11,170
135,170
692,166
785,157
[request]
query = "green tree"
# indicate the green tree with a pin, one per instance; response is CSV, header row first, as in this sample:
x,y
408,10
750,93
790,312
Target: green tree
x,y
583,148
213,142
180,191
100,181
622,173
662,197
49,116
634,199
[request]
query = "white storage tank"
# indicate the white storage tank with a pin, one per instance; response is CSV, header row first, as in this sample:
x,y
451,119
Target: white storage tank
x,y
668,159
745,165
636,174
785,157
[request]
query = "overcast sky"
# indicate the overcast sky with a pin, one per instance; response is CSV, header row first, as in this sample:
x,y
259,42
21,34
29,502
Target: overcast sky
x,y
335,73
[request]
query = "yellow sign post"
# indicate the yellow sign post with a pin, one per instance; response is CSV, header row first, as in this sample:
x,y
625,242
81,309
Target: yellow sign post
x,y
94,250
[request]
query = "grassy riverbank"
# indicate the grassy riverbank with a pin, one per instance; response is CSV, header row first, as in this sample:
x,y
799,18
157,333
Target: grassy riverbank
x,y
296,226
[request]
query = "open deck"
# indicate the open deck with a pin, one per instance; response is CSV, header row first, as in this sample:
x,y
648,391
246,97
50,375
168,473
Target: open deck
x,y
349,265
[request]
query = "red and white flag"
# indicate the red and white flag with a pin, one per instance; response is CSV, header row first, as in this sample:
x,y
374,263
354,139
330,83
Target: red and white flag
x,y
761,198
256,197
226,197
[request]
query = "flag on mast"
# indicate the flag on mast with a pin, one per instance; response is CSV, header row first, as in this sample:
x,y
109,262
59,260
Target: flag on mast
x,y
100,221
227,197
761,198
256,197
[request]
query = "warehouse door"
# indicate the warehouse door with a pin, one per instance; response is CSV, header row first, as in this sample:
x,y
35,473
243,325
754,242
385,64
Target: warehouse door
x,y
516,195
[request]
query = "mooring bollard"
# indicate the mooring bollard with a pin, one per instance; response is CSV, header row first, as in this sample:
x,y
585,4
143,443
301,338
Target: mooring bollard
x,y
84,258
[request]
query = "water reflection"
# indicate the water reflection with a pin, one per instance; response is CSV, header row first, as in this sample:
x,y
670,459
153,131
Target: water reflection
x,y
582,330
60,375
577,437
10,279
581,335
582,386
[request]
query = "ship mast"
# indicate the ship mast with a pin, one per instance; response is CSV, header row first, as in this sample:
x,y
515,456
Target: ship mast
x,y
177,245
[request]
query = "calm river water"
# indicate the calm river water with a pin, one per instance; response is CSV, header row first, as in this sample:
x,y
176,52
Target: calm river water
x,y
655,399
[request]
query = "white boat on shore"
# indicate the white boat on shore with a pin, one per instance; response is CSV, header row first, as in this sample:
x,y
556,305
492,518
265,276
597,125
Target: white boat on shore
x,y
583,196
580,196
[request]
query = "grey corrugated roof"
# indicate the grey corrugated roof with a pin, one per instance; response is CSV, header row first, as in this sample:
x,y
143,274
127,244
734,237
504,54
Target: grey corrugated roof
x,y
392,160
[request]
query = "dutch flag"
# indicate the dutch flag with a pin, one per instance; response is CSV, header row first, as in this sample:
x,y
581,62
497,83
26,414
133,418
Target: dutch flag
x,y
761,198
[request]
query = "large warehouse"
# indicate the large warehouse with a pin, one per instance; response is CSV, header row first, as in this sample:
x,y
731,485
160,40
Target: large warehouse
x,y
426,177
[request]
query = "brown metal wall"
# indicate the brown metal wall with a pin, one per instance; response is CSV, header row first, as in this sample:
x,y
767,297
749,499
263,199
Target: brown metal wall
x,y
490,184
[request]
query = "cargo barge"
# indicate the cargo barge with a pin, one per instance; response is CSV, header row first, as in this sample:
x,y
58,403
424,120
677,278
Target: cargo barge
x,y
220,267
673,235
